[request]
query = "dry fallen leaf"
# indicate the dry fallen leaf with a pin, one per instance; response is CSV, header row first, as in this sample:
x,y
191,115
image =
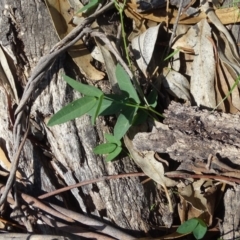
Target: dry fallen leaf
x,y
5,164
139,25
80,54
226,15
143,47
224,81
110,64
6,77
203,66
228,54
149,165
176,84
198,202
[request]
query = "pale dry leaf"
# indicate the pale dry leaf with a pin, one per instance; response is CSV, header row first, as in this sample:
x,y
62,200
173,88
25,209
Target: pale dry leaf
x,y
151,167
228,55
226,15
175,62
143,47
224,82
176,84
146,161
203,66
6,77
2,225
97,55
5,164
110,65
80,54
188,59
202,79
218,24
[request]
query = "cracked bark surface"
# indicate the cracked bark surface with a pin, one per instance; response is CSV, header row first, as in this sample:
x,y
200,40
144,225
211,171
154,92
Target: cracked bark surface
x,y
194,134
124,202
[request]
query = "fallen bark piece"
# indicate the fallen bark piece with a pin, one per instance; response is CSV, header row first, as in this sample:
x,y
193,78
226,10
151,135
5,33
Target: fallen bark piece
x,y
194,134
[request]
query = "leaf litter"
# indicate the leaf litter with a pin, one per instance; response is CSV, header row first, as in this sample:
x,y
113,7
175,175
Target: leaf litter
x,y
201,72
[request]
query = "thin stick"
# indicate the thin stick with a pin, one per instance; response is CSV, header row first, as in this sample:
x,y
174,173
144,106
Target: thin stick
x,y
64,189
175,26
12,174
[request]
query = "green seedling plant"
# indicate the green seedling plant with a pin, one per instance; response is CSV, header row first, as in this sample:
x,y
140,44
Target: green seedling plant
x,y
196,226
126,106
172,54
120,7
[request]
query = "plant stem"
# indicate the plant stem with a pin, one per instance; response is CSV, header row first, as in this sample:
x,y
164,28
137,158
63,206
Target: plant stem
x,y
147,108
120,10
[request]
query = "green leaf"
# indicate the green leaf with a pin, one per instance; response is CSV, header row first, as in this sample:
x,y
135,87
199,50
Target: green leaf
x,y
83,88
152,98
97,109
125,83
188,226
140,117
109,105
201,229
105,148
90,5
73,110
124,121
113,154
172,54
113,139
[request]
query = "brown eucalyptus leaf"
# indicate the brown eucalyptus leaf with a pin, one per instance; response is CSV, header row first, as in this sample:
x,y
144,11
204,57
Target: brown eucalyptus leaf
x,y
176,84
139,26
226,15
59,13
202,203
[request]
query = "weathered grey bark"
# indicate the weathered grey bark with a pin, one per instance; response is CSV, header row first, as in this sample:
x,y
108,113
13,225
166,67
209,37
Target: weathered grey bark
x,y
194,134
25,37
230,224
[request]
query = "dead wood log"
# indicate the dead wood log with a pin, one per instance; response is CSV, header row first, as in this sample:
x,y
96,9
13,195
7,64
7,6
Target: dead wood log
x,y
194,134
